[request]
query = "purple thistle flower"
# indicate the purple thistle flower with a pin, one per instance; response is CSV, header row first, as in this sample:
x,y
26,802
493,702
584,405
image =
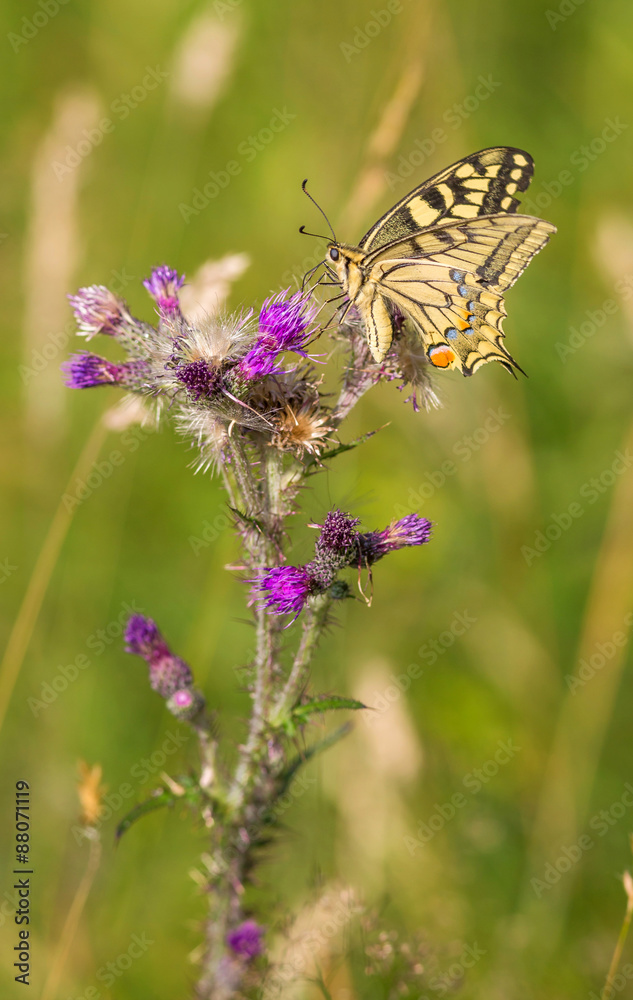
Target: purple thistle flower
x,y
163,285
257,364
246,939
168,674
284,323
409,530
84,371
283,326
98,310
199,378
287,588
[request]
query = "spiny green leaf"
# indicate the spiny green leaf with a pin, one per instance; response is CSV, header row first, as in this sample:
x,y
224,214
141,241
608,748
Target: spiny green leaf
x,y
251,522
311,752
158,800
341,448
319,705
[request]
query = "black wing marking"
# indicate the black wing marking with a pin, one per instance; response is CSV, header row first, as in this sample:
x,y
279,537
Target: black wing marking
x,y
483,183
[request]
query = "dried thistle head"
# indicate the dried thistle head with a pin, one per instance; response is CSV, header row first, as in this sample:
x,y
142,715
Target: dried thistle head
x,y
301,429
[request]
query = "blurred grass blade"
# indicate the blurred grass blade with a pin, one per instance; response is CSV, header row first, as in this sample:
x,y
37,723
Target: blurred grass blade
x,y
69,930
609,987
42,572
584,721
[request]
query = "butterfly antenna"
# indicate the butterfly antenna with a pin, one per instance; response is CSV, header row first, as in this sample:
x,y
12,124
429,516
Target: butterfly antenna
x,y
319,236
316,204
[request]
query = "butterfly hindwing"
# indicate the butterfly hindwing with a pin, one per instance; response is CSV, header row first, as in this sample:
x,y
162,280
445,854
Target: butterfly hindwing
x,y
483,183
459,320
452,288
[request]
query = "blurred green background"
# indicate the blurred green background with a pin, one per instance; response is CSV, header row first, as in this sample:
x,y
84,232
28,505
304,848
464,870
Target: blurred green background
x,y
363,109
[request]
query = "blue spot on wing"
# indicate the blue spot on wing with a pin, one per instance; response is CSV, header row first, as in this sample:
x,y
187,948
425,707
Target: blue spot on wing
x,y
451,333
462,290
456,275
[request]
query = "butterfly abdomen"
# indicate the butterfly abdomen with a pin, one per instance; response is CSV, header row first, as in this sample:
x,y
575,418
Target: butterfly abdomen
x,y
377,319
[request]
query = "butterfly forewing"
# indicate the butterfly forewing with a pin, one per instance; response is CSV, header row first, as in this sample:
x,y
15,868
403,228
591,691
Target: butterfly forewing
x,y
481,184
496,248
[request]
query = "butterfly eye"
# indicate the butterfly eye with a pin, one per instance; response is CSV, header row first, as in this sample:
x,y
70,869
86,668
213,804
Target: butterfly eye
x,y
334,254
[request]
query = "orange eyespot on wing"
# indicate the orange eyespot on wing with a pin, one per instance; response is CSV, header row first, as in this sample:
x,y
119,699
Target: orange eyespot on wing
x,y
441,357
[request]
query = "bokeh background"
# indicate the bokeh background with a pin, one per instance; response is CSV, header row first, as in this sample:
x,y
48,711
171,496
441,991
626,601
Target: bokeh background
x,y
543,657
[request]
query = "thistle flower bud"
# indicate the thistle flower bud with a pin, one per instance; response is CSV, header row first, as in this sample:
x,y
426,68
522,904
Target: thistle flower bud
x,y
168,674
336,547
186,703
98,310
338,533
84,371
340,590
163,285
245,941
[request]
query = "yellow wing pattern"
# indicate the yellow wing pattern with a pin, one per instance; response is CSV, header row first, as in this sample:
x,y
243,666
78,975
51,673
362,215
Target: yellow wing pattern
x,y
450,282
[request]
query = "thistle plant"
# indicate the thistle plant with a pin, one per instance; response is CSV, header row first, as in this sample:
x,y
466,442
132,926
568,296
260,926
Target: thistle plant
x,y
248,392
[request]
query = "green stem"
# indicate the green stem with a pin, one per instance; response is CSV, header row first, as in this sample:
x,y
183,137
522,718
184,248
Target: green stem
x,y
316,615
249,492
266,552
255,746
217,981
273,464
230,853
253,783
